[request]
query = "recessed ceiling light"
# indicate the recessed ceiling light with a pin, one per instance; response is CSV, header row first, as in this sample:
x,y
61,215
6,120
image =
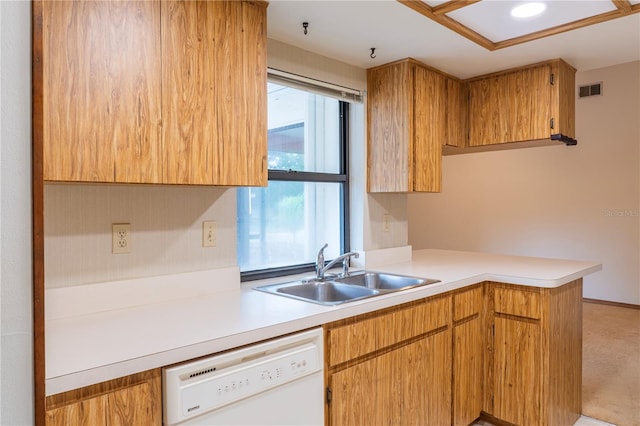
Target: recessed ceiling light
x,y
527,10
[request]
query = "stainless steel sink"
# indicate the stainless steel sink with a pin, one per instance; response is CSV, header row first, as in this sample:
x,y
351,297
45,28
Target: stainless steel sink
x,y
336,290
321,292
382,281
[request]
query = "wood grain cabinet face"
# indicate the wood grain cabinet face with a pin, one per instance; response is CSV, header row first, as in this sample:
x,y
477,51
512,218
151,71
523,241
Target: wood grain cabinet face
x,y
101,63
467,355
406,128
533,361
132,400
525,104
516,369
155,92
403,375
214,92
457,113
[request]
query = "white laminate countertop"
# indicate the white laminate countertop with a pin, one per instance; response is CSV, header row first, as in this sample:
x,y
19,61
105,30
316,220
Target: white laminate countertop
x,y
90,347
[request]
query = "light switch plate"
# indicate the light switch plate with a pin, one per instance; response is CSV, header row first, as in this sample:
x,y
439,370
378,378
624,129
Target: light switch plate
x,y
209,230
386,222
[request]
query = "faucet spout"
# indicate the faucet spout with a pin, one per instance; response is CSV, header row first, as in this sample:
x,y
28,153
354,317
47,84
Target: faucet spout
x,y
321,268
320,262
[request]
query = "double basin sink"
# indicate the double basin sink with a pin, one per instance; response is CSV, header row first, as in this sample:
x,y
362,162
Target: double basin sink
x,y
334,291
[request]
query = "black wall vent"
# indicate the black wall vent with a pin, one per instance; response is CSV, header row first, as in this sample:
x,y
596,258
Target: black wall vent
x,y
594,89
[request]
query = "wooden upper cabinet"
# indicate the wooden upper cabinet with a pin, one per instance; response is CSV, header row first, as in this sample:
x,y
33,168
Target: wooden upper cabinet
x,y
101,106
406,127
520,105
155,92
214,92
456,111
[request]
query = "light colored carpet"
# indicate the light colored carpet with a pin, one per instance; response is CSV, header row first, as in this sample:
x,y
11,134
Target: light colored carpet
x,y
611,364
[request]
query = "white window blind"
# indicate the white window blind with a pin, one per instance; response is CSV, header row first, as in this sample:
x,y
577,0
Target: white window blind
x,y
314,86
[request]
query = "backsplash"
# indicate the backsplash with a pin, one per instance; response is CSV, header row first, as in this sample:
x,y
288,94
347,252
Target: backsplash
x,y
166,231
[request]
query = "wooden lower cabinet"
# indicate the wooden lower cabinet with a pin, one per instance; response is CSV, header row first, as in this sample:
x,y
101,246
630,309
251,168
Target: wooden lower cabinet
x,y
409,385
131,400
533,368
516,397
404,374
467,355
506,352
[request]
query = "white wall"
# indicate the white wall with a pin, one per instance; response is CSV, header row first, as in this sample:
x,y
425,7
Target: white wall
x,y
166,231
16,349
580,202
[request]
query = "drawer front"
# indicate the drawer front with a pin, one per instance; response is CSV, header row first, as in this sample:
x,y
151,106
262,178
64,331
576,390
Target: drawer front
x,y
467,303
523,303
351,340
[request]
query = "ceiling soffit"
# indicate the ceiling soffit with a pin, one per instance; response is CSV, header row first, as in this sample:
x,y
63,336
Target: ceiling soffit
x,y
482,21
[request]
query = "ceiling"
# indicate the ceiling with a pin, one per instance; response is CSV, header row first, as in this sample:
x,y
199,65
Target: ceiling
x,y
347,30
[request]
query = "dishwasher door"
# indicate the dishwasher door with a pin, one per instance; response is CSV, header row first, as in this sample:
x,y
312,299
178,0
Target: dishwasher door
x,y
279,382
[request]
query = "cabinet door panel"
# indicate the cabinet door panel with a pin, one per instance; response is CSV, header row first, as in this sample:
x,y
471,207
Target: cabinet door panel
x,y
239,157
214,92
129,400
517,364
359,393
456,111
532,112
467,372
90,412
188,94
512,107
133,406
484,117
101,91
429,122
390,128
410,385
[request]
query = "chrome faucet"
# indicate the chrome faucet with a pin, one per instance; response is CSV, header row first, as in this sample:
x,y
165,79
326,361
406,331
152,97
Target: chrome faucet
x,y
321,268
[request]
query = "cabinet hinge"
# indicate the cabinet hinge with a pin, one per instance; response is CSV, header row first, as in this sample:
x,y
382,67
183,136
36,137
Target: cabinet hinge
x,y
552,79
328,395
552,123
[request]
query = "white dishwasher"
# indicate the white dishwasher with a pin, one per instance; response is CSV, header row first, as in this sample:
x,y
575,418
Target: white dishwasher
x,y
278,382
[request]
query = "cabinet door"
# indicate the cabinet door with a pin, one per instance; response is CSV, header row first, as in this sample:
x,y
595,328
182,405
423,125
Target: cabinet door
x,y
131,400
410,385
457,111
240,156
429,129
214,92
511,107
390,128
467,372
89,412
467,355
517,371
101,90
129,406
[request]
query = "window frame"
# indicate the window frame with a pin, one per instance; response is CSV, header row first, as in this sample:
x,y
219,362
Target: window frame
x,y
317,177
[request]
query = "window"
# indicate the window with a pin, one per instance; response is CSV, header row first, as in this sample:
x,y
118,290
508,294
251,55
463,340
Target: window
x,y
305,205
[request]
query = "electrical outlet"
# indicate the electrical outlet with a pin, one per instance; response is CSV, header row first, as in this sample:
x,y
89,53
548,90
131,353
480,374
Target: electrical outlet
x,y
386,222
120,238
209,229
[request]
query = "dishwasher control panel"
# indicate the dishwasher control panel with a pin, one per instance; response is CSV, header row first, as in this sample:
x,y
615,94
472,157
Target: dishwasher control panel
x,y
208,384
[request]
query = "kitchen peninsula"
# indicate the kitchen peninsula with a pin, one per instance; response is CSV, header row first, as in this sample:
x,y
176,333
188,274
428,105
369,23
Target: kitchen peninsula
x,y
188,318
